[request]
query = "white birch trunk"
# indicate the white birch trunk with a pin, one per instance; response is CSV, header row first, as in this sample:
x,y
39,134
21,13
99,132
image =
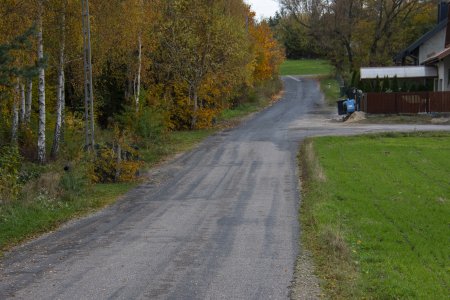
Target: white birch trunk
x,y
29,99
15,109
60,90
41,89
22,103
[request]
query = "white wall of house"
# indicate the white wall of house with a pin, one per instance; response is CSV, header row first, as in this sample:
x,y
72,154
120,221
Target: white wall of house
x,y
443,83
431,47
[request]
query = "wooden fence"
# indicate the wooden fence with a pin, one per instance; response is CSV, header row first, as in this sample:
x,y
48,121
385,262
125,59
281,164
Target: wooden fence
x,y
407,103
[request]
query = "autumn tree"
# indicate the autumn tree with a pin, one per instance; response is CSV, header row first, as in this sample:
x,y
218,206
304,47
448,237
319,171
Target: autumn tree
x,y
199,46
360,32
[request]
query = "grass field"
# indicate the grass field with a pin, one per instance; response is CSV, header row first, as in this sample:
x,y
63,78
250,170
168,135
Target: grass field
x,y
375,214
306,67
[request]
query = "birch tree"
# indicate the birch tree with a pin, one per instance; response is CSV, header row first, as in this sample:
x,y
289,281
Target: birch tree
x,y
60,85
41,86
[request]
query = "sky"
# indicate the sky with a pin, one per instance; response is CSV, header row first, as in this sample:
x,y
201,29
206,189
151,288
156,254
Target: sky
x,y
264,8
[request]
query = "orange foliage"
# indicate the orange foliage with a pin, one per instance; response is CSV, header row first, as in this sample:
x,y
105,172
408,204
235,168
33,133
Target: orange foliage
x,y
268,53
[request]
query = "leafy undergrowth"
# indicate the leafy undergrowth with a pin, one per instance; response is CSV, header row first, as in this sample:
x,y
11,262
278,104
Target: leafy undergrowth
x,y
375,213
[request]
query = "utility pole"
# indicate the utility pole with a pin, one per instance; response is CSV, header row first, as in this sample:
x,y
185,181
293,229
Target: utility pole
x,y
88,86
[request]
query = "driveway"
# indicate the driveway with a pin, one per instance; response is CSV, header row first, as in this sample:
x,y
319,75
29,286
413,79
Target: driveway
x,y
219,222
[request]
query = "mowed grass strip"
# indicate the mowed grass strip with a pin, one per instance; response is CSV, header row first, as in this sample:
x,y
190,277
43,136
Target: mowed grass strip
x,y
376,214
306,67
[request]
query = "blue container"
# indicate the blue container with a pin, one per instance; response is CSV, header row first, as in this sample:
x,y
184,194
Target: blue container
x,y
346,107
349,106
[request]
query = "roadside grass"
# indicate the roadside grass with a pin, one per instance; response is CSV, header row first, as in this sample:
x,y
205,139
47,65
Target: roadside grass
x,y
375,214
306,67
52,196
240,111
21,220
331,89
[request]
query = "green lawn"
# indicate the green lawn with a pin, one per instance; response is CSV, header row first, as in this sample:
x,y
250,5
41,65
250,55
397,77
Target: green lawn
x,y
376,214
306,67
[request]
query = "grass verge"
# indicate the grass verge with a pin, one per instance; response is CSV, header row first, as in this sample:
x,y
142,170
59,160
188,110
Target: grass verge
x,y
331,89
375,214
22,220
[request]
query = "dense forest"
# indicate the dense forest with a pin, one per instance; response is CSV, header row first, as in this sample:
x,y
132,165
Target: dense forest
x,y
93,81
352,33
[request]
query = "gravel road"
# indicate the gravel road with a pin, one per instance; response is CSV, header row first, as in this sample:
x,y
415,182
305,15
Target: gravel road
x,y
219,222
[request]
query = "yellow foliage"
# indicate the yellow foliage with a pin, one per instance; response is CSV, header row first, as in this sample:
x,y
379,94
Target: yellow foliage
x,y
108,168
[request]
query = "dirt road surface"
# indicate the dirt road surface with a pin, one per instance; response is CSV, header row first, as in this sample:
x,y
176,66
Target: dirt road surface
x,y
219,222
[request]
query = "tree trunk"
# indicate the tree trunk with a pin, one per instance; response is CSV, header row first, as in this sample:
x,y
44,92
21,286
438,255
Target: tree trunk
x,y
29,98
63,105
59,91
41,88
138,85
194,115
88,86
15,109
118,162
22,103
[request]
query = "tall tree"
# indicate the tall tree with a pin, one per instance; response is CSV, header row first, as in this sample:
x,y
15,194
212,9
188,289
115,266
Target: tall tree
x,y
41,87
60,87
88,83
360,32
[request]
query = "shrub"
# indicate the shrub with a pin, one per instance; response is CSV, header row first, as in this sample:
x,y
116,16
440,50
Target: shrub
x,y
10,164
109,167
74,181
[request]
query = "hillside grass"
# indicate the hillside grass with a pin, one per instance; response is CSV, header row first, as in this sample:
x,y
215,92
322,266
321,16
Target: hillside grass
x,y
375,213
306,67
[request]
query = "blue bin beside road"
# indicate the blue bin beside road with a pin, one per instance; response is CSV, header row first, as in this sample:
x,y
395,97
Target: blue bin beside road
x,y
346,107
350,106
